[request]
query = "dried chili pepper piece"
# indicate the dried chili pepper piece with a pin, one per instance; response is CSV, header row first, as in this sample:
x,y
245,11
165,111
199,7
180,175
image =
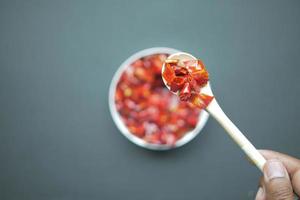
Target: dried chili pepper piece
x,y
157,63
201,76
177,84
185,93
143,74
154,138
180,71
201,64
201,100
168,74
137,63
138,130
169,139
194,85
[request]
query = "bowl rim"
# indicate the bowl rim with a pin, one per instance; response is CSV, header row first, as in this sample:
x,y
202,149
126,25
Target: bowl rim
x,y
117,118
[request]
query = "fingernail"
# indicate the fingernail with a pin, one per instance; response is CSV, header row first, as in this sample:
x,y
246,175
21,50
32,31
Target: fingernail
x,y
260,194
274,169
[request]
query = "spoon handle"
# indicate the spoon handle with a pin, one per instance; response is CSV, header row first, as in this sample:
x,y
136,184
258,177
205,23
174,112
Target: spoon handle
x,y
215,110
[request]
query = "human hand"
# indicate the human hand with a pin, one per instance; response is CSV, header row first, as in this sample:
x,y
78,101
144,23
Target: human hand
x,y
281,177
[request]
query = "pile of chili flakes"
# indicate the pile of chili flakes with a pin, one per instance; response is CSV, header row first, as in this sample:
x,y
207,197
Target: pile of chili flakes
x,y
187,79
149,110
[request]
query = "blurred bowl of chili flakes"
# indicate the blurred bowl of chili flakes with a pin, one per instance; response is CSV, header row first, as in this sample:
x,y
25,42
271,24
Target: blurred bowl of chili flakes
x,y
145,111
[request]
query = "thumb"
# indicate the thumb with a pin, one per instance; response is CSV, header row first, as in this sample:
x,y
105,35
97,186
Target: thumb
x,y
276,181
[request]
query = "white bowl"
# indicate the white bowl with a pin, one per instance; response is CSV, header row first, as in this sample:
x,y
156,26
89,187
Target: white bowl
x,y
118,120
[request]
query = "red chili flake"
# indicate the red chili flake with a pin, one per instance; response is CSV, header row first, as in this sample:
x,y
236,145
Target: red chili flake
x,y
157,63
168,73
191,120
137,63
153,138
139,130
180,71
143,74
169,139
201,76
185,93
177,84
147,108
201,100
194,84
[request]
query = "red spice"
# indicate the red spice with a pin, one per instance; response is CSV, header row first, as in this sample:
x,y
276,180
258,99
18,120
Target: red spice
x,y
177,83
147,108
201,100
185,92
186,79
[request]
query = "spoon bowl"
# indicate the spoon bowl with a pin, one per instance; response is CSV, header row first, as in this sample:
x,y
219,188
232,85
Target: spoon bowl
x,y
182,57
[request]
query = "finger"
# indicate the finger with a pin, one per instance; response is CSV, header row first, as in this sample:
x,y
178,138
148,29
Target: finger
x,y
261,181
276,181
292,164
296,182
260,195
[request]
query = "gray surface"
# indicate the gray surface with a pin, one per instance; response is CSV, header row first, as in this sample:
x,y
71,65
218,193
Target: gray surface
x,y
57,139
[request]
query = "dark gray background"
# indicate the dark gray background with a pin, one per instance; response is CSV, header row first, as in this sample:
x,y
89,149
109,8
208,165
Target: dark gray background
x,y
57,138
